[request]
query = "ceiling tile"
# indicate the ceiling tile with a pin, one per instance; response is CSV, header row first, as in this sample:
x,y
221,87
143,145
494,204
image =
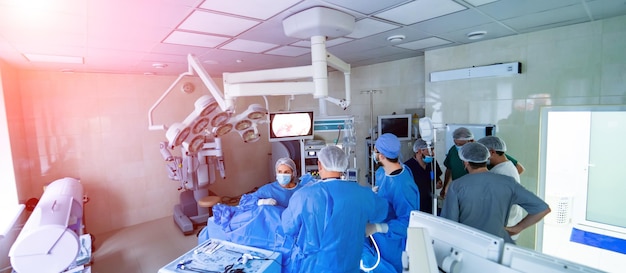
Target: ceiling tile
x,y
365,7
208,22
248,46
424,43
548,19
477,3
194,39
367,27
259,9
54,58
289,51
420,10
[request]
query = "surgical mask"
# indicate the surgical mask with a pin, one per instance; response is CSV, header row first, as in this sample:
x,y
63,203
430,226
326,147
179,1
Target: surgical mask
x,y
283,178
458,147
374,157
428,159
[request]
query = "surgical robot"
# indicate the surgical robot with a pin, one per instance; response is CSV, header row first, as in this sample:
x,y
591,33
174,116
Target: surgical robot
x,y
194,172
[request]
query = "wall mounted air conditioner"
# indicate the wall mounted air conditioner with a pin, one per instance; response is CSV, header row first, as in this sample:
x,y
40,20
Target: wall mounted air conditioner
x,y
477,72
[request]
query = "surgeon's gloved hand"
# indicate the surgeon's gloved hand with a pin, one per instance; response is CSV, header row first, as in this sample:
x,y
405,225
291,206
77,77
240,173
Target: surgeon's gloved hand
x,y
266,202
376,228
375,189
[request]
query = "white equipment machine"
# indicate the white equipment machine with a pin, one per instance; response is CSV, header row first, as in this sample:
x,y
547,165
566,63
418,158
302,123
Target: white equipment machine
x,y
458,248
49,241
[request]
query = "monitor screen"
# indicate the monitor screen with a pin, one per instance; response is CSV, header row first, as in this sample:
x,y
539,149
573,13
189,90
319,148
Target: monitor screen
x,y
291,125
399,125
458,247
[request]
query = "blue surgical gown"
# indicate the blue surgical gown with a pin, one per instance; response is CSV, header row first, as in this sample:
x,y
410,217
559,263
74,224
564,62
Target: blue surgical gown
x,y
327,220
403,197
280,194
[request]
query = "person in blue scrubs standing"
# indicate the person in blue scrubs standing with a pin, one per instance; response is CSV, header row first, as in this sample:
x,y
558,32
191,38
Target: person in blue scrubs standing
x,y
327,218
394,182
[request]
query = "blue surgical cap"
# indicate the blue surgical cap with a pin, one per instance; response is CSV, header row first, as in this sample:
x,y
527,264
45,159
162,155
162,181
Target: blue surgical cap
x,y
474,152
287,161
493,143
333,159
388,145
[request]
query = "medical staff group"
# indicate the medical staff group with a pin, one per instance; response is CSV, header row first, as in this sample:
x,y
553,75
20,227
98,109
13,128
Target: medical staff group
x,y
334,225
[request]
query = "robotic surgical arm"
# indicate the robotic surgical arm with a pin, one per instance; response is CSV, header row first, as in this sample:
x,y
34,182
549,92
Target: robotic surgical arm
x,y
193,170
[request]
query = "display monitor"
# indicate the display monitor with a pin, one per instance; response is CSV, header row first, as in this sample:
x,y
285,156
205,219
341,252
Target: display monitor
x,y
291,125
458,247
399,125
527,260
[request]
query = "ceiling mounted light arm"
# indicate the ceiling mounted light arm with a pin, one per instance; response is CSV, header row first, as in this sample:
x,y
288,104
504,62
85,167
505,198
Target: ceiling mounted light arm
x,y
194,65
151,125
194,68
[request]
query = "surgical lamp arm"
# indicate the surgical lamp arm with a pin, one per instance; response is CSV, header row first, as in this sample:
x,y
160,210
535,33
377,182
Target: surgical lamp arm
x,y
193,67
151,125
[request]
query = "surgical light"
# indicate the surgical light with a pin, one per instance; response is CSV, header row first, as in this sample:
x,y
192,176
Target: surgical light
x,y
205,104
242,125
195,144
222,130
250,136
220,119
176,134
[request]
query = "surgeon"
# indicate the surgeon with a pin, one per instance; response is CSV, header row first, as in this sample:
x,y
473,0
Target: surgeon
x,y
328,218
395,183
278,192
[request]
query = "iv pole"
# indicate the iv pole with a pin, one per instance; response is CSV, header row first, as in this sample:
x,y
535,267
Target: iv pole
x,y
427,133
371,133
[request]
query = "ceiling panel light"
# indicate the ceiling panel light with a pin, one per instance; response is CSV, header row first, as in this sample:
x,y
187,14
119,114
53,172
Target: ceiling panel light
x,y
254,9
291,51
53,58
207,22
420,10
248,46
194,39
424,43
368,27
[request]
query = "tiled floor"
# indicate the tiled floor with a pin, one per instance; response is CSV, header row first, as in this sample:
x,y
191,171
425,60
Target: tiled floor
x,y
143,248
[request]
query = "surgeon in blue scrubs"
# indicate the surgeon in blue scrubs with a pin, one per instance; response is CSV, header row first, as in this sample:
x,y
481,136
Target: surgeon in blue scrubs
x,y
394,182
278,192
327,218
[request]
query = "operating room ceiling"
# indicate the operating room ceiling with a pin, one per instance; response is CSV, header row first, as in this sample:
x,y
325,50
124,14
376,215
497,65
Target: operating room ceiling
x,y
154,36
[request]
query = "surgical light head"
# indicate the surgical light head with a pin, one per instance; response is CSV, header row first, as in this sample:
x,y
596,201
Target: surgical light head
x,y
287,162
474,152
176,134
333,159
493,143
462,133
